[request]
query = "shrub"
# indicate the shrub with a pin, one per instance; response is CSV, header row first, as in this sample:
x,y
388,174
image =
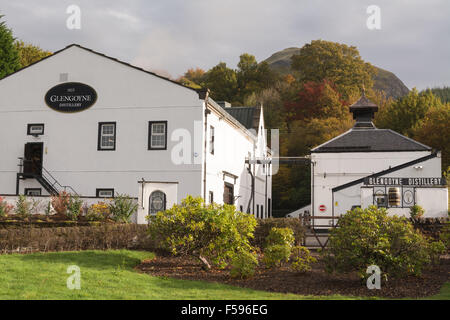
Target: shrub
x,y
122,208
98,211
60,202
103,237
279,245
24,206
74,208
415,212
371,237
5,208
48,209
212,233
445,235
243,265
265,225
275,255
302,259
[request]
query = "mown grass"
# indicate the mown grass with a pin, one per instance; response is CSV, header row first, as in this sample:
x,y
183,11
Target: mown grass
x,y
110,275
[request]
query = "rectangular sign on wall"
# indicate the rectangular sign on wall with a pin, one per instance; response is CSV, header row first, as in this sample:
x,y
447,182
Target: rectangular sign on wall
x,y
389,181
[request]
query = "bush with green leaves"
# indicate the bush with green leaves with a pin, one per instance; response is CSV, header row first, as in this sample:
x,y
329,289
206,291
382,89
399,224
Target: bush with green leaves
x,y
279,244
371,237
244,264
122,208
416,212
74,207
212,233
302,259
445,235
5,208
24,206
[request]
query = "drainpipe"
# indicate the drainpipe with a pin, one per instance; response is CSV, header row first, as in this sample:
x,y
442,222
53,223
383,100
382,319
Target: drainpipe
x,y
312,191
204,94
265,196
252,190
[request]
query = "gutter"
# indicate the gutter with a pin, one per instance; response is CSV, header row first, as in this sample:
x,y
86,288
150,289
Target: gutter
x,y
204,94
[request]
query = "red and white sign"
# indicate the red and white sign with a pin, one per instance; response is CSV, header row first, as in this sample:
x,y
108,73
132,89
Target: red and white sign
x,y
322,208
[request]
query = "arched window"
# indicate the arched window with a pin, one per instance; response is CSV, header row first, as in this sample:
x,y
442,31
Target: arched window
x,y
157,202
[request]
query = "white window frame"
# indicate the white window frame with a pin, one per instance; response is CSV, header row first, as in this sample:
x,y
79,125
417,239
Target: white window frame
x,y
152,134
101,135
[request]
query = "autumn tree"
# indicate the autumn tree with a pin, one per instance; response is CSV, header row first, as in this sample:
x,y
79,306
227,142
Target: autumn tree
x,y
193,78
336,62
29,53
292,183
434,131
316,100
9,56
406,112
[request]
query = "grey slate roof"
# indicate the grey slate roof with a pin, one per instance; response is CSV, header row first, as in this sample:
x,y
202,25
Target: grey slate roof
x,y
247,116
370,140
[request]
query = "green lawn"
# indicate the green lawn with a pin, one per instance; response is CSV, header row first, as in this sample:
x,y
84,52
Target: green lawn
x,y
110,275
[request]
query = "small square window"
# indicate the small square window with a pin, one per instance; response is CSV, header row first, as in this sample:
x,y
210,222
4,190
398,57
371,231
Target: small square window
x,y
157,139
33,191
104,193
35,129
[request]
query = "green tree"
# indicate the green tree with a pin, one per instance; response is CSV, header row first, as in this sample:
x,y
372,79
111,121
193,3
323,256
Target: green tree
x,y
292,183
336,62
29,53
222,81
442,92
253,77
406,112
433,130
9,56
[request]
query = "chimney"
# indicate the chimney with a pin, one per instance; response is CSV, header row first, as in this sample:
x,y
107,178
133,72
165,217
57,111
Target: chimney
x,y
224,104
363,112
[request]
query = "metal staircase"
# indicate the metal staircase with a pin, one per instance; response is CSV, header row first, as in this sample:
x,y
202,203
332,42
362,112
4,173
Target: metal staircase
x,y
44,177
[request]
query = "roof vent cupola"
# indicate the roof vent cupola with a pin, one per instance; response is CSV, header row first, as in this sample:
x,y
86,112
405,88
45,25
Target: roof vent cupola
x,y
363,112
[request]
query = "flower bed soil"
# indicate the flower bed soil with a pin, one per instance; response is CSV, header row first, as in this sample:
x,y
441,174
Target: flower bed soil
x,y
315,282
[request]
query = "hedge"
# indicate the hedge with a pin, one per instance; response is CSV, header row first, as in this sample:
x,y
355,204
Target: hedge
x,y
106,236
109,236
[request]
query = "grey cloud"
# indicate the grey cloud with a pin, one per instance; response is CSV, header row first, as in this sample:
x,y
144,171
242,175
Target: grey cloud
x,y
174,35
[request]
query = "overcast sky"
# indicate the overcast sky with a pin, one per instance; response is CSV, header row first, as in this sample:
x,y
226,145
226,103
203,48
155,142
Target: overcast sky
x,y
170,36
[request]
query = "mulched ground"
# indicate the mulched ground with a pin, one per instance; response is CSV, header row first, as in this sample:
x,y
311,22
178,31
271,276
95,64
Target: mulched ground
x,y
315,282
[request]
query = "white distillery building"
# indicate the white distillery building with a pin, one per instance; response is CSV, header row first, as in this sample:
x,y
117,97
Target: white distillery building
x,y
369,166
87,123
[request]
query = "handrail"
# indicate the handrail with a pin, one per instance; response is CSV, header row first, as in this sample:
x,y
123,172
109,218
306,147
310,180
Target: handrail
x,y
55,182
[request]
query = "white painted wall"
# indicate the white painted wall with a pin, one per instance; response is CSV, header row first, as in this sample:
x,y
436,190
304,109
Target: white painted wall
x,y
335,169
131,98
235,147
146,189
431,199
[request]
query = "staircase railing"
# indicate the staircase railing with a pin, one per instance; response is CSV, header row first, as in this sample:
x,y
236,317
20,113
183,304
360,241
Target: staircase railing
x,y
47,177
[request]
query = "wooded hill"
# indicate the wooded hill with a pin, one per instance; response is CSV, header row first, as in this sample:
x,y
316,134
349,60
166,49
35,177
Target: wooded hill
x,y
383,81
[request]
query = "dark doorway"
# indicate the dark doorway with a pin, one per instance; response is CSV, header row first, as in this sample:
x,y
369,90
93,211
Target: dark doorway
x,y
32,164
228,193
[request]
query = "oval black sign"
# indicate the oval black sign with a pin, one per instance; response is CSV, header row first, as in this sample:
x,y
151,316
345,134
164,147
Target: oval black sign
x,y
70,97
